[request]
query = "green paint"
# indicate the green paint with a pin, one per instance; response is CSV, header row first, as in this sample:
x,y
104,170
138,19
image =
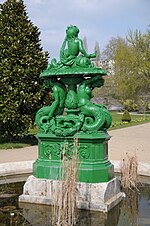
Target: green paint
x,y
71,81
93,163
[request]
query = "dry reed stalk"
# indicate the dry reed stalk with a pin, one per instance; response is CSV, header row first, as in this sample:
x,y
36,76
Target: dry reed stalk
x,y
129,183
129,174
65,206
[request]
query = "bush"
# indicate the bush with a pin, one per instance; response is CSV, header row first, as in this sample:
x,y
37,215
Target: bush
x,y
126,116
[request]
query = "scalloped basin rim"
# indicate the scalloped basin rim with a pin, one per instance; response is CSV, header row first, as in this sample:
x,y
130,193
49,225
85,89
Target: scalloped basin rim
x,y
73,71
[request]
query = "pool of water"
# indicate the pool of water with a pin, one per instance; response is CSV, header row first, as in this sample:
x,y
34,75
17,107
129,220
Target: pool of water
x,y
133,211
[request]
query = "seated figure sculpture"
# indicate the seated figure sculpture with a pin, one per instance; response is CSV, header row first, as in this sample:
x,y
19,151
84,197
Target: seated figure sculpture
x,y
69,57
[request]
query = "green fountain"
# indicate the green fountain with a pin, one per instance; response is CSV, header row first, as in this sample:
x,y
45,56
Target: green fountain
x,y
72,116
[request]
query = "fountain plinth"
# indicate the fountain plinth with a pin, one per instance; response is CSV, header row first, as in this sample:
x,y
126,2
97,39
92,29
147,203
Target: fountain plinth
x,y
73,117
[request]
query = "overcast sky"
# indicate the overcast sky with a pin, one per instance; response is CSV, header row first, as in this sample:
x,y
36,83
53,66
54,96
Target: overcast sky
x,y
98,20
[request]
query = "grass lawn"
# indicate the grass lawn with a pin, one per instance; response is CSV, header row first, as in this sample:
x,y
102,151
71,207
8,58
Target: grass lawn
x,y
31,140
136,119
7,143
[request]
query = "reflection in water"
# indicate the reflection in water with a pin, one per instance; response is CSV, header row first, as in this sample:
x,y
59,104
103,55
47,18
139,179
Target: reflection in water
x,y
129,209
135,209
43,215
144,206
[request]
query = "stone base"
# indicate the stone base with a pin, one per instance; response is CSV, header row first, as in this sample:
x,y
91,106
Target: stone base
x,y
90,196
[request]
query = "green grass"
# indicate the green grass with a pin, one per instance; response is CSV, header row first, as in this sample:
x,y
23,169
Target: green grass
x,y
135,120
9,143
30,138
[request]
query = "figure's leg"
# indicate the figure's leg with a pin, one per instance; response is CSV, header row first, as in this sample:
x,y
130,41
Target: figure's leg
x,y
94,117
53,108
108,116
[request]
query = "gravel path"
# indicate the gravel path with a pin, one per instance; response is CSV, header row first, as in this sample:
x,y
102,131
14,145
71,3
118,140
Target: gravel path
x,y
19,154
132,140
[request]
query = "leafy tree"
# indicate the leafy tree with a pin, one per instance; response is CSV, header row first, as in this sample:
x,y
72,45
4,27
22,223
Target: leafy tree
x,y
125,80
130,105
131,58
21,62
140,44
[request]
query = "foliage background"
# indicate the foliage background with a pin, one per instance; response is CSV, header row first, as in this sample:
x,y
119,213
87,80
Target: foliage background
x,y
130,57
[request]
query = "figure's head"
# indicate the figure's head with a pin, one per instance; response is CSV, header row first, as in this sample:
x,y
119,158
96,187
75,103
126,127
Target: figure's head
x,y
72,31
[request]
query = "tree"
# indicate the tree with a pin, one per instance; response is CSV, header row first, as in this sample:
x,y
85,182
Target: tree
x,y
125,80
107,91
85,45
21,62
131,58
97,50
111,48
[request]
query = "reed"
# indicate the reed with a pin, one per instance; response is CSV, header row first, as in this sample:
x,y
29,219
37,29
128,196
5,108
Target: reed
x,y
129,174
65,195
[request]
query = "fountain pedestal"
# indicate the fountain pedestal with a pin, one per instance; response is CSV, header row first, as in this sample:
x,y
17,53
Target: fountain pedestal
x,y
97,189
92,157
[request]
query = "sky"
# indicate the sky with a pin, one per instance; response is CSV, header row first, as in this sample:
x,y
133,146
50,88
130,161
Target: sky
x,y
97,20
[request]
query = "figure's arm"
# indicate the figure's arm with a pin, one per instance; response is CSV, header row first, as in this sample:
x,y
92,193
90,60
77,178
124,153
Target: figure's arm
x,y
63,48
82,50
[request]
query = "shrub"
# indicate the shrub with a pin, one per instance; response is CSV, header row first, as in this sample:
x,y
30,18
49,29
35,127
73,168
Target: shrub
x,y
126,116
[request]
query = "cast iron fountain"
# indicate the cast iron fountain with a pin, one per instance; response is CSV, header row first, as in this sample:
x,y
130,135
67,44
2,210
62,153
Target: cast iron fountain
x,y
72,116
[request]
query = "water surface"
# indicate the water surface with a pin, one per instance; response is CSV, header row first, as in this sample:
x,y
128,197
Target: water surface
x,y
133,211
